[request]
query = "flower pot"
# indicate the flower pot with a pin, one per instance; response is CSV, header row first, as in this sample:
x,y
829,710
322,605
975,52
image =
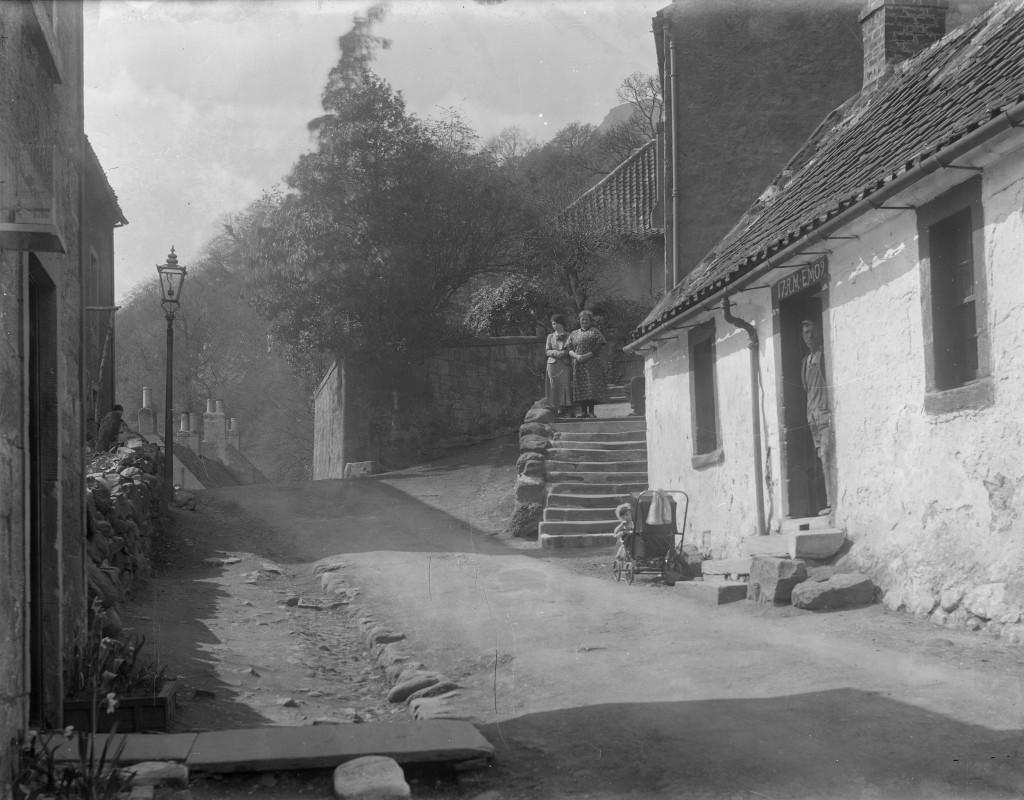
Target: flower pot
x,y
132,715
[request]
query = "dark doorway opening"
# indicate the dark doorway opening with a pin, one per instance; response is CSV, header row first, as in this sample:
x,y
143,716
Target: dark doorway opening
x,y
44,484
805,482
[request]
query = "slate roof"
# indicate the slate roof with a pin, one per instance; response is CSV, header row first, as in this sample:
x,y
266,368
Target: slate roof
x,y
626,197
927,104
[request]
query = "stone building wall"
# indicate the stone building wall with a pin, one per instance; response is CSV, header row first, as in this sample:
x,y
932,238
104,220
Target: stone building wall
x,y
41,153
930,500
459,395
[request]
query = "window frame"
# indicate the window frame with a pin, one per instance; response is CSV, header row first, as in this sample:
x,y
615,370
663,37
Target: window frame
x,y
698,336
976,392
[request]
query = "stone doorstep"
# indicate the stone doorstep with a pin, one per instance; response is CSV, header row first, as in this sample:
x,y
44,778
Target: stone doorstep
x,y
720,568
816,544
565,541
798,524
302,747
712,593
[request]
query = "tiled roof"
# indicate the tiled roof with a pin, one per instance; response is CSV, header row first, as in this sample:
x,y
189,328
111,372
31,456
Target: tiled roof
x,y
929,102
626,196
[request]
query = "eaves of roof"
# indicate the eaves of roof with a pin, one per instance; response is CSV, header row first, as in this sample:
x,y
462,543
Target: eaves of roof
x,y
962,91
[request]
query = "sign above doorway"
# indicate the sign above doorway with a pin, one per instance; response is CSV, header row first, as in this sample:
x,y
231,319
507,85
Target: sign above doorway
x,y
813,274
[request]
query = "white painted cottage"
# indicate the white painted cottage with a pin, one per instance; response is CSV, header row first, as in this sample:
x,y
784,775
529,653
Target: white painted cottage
x,y
899,230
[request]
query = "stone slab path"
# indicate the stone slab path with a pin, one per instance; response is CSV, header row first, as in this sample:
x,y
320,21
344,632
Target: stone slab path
x,y
300,747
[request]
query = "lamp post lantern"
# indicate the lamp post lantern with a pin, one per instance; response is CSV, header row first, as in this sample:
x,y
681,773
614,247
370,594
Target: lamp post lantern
x,y
172,277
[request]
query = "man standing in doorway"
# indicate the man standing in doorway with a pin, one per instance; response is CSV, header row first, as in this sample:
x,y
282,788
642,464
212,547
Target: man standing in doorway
x,y
819,416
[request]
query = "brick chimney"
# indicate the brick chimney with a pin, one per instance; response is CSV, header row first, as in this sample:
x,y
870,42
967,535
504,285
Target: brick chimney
x,y
187,435
895,30
215,431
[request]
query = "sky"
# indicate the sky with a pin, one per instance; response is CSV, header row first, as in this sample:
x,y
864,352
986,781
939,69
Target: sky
x,y
196,107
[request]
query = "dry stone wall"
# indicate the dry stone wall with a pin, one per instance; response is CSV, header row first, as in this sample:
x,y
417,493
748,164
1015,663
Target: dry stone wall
x,y
123,494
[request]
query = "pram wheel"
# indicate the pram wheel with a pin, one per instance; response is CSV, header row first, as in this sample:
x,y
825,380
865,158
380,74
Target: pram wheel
x,y
618,568
673,568
630,571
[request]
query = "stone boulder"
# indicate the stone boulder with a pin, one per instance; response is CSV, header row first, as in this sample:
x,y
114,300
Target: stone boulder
x,y
839,591
531,464
535,429
529,490
533,442
540,414
772,579
526,521
370,778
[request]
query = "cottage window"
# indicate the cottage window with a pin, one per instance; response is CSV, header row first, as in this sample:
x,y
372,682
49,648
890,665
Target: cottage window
x,y
950,232
703,395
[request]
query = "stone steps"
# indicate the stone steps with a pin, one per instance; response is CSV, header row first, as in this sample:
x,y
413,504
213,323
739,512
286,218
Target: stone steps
x,y
619,467
591,454
599,446
566,541
638,437
560,528
599,425
602,476
568,501
556,514
594,466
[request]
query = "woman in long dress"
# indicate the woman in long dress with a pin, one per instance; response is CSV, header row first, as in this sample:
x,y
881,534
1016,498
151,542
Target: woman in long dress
x,y
588,380
559,372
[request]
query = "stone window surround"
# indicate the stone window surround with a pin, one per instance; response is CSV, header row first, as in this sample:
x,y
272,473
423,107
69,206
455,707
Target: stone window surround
x,y
978,393
697,335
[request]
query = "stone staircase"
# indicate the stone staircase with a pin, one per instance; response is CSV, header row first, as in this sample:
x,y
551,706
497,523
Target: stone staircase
x,y
593,466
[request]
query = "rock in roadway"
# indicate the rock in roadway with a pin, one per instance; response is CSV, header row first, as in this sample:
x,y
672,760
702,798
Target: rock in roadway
x,y
401,691
370,778
772,580
839,591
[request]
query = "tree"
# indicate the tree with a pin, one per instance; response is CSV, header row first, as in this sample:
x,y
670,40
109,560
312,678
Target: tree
x,y
388,217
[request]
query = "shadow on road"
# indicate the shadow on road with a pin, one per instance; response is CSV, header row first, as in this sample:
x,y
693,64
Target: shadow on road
x,y
833,744
304,522
183,644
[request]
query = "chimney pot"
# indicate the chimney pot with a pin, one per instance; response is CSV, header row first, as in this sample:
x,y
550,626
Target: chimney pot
x,y
209,406
147,397
220,406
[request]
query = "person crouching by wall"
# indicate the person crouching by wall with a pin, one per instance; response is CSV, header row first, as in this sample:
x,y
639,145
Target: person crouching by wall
x,y
558,379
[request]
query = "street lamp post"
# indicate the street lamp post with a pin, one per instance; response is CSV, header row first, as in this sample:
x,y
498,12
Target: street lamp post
x,y
172,277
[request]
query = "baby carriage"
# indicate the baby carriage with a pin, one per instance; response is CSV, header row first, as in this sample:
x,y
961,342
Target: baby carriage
x,y
654,541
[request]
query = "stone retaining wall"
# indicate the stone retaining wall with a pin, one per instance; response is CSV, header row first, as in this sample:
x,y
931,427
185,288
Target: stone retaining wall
x,y
457,397
123,493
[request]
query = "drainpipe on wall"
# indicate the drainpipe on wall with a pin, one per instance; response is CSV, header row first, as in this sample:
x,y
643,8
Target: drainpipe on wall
x,y
755,407
673,80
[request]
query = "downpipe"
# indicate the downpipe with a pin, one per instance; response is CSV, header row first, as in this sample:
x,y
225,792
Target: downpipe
x,y
755,408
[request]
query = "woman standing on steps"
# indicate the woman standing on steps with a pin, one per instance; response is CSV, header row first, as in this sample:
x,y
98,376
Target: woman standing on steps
x,y
585,343
559,372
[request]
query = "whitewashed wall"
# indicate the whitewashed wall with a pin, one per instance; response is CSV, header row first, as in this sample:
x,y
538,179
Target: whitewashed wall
x,y
933,502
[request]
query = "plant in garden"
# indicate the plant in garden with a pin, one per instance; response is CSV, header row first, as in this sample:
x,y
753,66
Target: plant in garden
x,y
94,773
109,668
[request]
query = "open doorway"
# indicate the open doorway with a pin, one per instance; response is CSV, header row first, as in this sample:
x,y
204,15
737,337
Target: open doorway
x,y
44,485
804,477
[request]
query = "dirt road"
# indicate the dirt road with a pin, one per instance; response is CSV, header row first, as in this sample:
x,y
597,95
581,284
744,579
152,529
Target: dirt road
x,y
588,688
